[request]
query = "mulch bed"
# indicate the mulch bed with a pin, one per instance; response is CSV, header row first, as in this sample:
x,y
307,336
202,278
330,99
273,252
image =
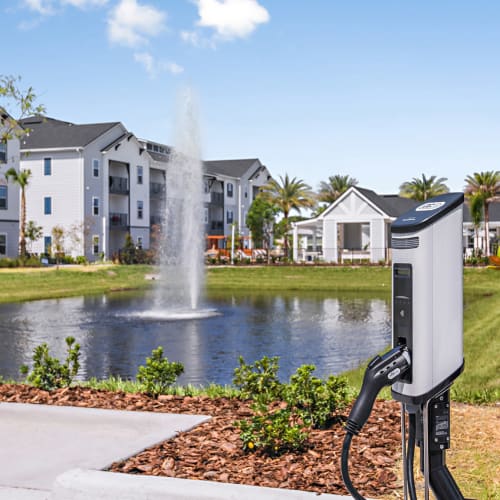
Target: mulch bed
x,y
212,451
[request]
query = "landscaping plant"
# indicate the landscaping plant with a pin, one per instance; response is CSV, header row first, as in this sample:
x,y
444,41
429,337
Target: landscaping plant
x,y
158,374
49,373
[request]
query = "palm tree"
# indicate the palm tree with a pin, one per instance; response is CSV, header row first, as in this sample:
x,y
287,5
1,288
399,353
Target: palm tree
x,y
21,178
423,189
482,188
336,186
287,195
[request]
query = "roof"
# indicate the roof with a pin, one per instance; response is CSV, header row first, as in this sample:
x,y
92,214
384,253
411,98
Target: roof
x,y
231,168
48,132
493,211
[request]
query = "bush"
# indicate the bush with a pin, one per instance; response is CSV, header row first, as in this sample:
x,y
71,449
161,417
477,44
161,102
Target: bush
x,y
158,374
49,373
284,414
314,399
81,259
258,380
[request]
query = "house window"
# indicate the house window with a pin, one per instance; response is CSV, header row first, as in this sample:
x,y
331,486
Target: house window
x,y
3,244
3,198
206,187
95,205
95,244
205,215
47,243
229,216
230,189
47,205
47,166
3,151
95,168
140,209
139,242
139,174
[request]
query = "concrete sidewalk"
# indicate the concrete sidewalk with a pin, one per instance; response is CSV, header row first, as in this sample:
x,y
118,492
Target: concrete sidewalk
x,y
58,453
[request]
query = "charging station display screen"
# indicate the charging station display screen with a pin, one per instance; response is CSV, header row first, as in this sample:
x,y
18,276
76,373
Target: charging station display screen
x,y
402,308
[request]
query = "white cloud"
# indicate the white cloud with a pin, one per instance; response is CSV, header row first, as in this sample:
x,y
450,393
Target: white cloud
x,y
83,4
231,18
194,38
131,23
42,7
154,68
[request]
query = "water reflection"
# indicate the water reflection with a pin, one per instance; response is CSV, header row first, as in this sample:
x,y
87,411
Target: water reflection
x,y
334,333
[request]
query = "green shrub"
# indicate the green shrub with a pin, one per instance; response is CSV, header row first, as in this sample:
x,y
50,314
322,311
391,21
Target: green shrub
x,y
258,380
49,373
158,374
314,399
272,431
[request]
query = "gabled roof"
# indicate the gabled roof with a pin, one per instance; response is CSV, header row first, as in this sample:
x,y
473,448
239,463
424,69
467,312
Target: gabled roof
x,y
493,211
392,205
231,168
51,133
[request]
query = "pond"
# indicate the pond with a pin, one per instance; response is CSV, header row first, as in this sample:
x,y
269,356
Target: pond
x,y
335,333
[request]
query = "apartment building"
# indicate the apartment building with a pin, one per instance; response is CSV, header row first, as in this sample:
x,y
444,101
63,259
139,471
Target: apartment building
x,y
92,180
9,193
99,182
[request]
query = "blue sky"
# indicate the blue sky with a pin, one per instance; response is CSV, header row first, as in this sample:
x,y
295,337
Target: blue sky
x,y
380,90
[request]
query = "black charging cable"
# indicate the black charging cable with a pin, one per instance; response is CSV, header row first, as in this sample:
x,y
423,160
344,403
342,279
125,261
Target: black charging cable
x,y
410,456
381,371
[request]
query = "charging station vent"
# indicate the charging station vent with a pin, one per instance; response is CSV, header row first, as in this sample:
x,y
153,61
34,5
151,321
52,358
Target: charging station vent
x,y
405,243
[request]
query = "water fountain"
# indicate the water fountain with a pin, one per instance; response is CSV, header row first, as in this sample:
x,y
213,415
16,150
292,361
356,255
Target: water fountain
x,y
181,279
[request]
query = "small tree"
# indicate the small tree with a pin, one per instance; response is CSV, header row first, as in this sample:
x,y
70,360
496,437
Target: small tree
x,y
33,233
260,220
58,243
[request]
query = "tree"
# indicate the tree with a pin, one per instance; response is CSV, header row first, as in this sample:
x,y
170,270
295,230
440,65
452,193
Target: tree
x,y
287,195
482,188
260,220
18,103
336,186
22,179
424,188
33,233
58,243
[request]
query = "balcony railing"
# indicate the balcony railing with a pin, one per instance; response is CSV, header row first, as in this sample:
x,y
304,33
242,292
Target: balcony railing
x,y
118,185
118,221
156,189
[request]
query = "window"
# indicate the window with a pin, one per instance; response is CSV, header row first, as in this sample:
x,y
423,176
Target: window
x,y
3,151
3,244
47,243
139,242
230,189
95,168
206,187
47,166
229,216
205,215
140,209
140,172
95,244
47,205
95,205
3,198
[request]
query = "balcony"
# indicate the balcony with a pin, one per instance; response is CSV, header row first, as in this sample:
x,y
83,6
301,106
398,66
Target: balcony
x,y
157,190
118,185
217,199
118,221
215,227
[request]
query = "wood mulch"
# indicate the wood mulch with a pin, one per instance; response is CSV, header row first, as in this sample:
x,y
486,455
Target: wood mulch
x,y
212,451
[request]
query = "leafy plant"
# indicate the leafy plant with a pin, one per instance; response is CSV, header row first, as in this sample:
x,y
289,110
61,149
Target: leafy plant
x,y
258,380
159,373
273,431
314,399
49,373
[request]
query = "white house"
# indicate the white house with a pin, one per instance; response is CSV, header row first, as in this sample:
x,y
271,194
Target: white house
x,y
354,227
9,192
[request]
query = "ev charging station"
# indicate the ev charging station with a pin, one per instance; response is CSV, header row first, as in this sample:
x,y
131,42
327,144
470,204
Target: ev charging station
x,y
427,344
